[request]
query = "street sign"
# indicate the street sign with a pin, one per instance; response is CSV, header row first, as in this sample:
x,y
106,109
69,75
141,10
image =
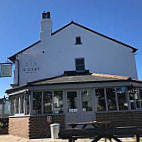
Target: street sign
x,y
5,69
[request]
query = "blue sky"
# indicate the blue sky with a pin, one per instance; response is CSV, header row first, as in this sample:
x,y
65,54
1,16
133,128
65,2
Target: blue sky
x,y
20,23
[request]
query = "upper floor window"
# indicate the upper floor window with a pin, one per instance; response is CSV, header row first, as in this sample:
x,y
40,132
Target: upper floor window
x,y
78,40
80,65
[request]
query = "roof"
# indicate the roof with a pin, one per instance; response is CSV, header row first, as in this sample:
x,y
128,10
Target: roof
x,y
72,22
92,78
78,79
12,58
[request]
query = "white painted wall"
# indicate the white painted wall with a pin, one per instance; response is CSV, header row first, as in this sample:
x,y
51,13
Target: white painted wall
x,y
101,55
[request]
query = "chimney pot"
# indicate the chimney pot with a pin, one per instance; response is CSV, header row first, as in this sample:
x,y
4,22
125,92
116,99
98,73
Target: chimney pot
x,y
46,15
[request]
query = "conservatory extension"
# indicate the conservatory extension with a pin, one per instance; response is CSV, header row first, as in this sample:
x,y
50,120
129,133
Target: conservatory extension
x,y
51,101
77,98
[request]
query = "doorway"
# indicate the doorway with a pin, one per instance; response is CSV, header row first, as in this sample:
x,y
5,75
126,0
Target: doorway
x,y
80,106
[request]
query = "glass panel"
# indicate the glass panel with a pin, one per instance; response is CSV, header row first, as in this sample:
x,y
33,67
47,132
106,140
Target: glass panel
x,y
27,103
79,61
140,93
78,40
12,105
58,101
80,66
134,98
111,99
37,97
17,105
21,103
137,98
122,98
47,102
72,101
100,100
86,96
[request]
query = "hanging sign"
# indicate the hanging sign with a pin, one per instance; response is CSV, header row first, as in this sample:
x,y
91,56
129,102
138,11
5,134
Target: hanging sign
x,y
5,70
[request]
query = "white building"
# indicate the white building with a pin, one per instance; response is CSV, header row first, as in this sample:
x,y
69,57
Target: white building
x,y
73,44
74,74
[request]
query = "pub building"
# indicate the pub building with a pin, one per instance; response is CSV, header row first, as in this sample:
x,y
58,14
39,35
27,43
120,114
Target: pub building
x,y
74,74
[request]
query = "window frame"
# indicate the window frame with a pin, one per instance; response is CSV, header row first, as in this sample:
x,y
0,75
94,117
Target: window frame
x,y
78,40
80,65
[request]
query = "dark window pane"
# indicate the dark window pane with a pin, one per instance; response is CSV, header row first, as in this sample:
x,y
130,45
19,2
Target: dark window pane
x,y
80,66
86,96
22,103
111,99
58,101
27,103
79,61
78,40
17,104
122,98
100,100
134,98
37,97
11,105
140,92
72,101
47,102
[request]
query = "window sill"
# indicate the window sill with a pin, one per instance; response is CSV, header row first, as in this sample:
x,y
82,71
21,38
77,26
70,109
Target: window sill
x,y
78,44
119,111
14,116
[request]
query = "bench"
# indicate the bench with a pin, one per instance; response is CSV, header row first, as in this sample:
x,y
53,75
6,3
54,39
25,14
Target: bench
x,y
73,134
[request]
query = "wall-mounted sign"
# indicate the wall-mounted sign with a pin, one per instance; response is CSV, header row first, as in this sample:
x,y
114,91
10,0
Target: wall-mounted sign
x,y
30,63
5,70
49,119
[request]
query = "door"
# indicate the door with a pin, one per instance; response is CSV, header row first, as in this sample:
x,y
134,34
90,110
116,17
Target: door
x,y
79,106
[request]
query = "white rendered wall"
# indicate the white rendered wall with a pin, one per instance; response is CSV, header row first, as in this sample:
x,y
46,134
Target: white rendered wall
x,y
101,55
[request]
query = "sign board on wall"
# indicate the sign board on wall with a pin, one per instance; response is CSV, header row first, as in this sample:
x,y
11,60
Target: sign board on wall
x,y
5,70
30,63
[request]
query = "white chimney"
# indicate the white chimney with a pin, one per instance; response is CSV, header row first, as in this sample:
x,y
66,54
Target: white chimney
x,y
46,26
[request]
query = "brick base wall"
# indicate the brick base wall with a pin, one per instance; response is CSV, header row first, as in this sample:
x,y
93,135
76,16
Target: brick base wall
x,y
119,119
34,126
3,131
19,127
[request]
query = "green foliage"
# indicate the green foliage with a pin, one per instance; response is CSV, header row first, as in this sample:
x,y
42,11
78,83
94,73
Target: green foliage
x,y
3,125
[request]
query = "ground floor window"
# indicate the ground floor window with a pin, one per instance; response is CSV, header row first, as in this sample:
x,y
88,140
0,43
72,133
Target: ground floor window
x,y
117,99
122,98
140,93
111,99
19,104
37,104
47,102
135,98
27,104
86,96
100,99
58,102
72,101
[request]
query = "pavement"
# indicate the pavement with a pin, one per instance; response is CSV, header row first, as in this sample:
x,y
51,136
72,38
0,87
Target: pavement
x,y
10,138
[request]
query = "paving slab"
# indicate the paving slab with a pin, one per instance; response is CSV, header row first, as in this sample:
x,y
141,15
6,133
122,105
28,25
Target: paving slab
x,y
10,138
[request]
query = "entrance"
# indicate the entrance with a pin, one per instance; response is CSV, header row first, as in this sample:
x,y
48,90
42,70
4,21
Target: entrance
x,y
80,106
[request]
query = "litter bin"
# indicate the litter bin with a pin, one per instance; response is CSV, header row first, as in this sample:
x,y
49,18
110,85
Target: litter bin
x,y
55,127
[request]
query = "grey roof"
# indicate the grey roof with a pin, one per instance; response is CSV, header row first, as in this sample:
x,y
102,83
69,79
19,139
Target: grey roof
x,y
92,78
73,79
